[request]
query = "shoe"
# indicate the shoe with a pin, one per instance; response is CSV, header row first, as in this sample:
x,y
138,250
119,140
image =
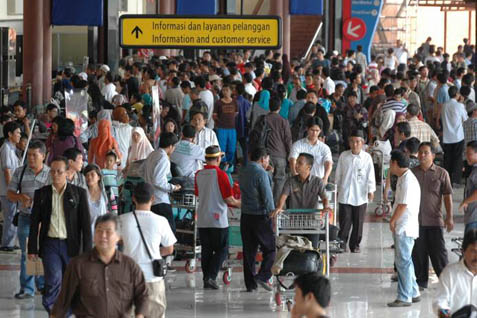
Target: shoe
x,y
399,303
6,249
421,288
23,295
416,299
16,248
171,269
394,277
213,284
250,290
356,250
267,286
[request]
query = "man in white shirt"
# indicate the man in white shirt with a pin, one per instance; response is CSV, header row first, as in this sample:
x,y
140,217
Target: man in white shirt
x,y
453,115
204,137
404,225
356,185
188,156
458,282
156,168
401,53
328,84
312,145
158,237
248,83
122,130
109,89
208,98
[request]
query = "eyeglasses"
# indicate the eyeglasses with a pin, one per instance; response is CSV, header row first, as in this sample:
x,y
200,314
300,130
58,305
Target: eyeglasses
x,y
59,172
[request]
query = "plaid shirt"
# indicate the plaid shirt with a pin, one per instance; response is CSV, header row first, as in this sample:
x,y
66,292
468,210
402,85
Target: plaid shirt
x,y
423,131
470,130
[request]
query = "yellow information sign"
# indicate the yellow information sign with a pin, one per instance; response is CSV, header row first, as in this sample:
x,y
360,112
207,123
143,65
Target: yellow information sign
x,y
159,31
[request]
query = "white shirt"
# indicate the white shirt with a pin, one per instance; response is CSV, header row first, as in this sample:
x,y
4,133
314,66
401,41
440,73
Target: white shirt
x,y
156,231
457,288
408,192
109,91
122,133
208,98
401,55
188,157
453,116
329,85
320,151
206,137
250,89
355,178
155,170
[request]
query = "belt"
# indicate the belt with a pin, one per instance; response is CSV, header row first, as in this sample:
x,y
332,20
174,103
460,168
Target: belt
x,y
56,238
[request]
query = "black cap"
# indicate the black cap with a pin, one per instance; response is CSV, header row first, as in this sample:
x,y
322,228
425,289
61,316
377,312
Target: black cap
x,y
357,133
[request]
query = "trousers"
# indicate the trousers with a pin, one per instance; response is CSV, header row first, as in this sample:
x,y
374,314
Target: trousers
x,y
351,216
215,244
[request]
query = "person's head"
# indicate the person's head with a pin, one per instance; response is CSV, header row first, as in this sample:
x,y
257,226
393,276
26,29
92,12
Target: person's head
x,y
426,153
399,162
453,92
213,155
66,128
260,156
442,77
373,91
111,160
411,147
75,159
19,109
23,142
469,249
275,104
121,114
314,126
304,163
143,196
389,90
11,131
413,110
352,98
170,125
188,133
168,141
51,111
312,97
36,154
404,130
301,94
93,176
312,294
226,91
198,121
106,233
58,167
356,141
471,152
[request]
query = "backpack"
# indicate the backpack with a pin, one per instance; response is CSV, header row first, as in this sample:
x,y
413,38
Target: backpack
x,y
259,134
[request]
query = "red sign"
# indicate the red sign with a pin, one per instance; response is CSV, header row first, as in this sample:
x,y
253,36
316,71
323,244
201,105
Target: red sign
x,y
354,29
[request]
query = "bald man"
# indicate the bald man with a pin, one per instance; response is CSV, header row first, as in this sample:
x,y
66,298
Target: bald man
x,y
122,132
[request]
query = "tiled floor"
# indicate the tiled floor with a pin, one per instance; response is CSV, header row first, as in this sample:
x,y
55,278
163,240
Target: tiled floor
x,y
361,286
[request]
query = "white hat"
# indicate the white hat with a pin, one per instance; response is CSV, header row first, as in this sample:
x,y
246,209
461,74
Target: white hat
x,y
104,68
162,58
214,77
335,52
83,76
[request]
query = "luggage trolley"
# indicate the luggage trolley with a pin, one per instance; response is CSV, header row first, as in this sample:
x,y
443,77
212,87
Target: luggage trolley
x,y
235,255
302,222
188,244
382,208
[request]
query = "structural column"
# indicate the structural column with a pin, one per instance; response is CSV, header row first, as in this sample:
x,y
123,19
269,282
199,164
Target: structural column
x,y
286,27
47,59
166,7
33,49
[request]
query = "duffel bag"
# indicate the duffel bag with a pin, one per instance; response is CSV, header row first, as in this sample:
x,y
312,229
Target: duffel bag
x,y
298,262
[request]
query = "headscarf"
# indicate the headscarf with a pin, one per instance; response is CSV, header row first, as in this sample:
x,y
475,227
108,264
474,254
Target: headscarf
x,y
264,99
102,144
141,149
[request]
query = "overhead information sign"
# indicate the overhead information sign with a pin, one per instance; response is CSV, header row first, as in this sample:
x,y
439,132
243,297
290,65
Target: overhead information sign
x,y
166,31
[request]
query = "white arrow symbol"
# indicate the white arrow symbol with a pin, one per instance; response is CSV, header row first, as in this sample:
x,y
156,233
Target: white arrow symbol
x,y
351,30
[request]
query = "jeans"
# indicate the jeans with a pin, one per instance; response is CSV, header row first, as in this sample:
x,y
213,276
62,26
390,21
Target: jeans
x,y
55,258
228,143
407,285
27,282
470,226
279,176
9,230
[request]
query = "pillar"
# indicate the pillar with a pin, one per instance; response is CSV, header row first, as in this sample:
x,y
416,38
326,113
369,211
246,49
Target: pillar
x,y
286,28
47,58
166,7
33,49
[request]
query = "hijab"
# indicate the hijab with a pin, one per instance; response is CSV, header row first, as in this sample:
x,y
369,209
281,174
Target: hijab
x,y
104,142
141,149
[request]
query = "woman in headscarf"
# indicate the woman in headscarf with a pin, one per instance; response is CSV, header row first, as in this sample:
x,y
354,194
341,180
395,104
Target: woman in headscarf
x,y
140,146
102,144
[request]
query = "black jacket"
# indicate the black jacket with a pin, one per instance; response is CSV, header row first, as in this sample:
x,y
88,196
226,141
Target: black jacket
x,y
77,219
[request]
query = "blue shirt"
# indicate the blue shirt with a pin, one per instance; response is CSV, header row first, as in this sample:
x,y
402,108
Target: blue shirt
x,y
256,190
241,119
285,108
443,94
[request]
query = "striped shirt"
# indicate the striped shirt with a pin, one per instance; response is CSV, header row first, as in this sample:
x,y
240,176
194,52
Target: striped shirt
x,y
470,130
395,105
30,183
423,131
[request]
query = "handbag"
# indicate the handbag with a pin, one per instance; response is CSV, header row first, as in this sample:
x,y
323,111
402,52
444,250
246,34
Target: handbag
x,y
19,190
159,266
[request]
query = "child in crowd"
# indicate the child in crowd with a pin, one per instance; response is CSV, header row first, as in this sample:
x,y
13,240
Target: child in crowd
x,y
110,177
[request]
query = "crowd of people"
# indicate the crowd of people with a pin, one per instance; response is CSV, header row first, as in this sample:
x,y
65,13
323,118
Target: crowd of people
x,y
271,123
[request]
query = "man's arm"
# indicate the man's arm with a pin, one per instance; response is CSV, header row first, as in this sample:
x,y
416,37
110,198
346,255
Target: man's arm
x,y
401,208
8,176
34,226
233,202
68,290
265,192
167,250
328,168
449,214
292,163
467,201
